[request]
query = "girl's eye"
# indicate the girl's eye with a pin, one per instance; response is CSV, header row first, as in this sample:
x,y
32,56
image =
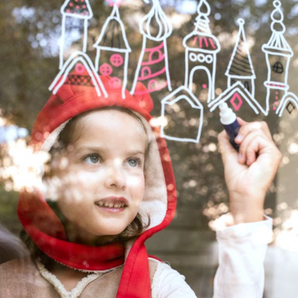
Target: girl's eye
x,y
134,162
92,159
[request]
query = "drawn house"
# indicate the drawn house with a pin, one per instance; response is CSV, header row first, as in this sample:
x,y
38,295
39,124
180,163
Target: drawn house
x,y
75,15
288,102
78,70
201,54
236,96
182,113
240,68
113,51
278,54
153,69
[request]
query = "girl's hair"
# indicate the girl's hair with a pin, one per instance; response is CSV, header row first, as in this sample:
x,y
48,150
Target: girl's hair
x,y
67,136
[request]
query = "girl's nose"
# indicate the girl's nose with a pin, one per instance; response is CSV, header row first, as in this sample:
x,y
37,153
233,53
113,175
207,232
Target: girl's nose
x,y
115,176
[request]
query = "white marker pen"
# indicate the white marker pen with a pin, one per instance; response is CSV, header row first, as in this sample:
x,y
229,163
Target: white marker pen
x,y
229,121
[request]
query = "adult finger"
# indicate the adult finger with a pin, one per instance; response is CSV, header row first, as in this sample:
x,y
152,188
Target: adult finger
x,y
226,149
246,128
244,157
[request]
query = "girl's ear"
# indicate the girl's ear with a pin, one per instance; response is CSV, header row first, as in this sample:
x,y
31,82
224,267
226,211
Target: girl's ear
x,y
142,95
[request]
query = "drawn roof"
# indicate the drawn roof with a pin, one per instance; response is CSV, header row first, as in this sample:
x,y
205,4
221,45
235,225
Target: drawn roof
x,y
237,87
155,19
201,38
77,8
288,97
113,34
240,64
180,93
277,42
83,58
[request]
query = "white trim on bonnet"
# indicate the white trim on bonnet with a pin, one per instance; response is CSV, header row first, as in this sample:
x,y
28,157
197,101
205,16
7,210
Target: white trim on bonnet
x,y
52,137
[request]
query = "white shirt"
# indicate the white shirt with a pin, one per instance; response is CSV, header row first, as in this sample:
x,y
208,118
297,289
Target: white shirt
x,y
240,273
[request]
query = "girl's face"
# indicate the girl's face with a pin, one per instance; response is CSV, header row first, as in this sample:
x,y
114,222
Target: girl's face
x,y
101,175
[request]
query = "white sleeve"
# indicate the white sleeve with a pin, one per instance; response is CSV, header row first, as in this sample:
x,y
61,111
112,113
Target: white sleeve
x,y
242,250
168,283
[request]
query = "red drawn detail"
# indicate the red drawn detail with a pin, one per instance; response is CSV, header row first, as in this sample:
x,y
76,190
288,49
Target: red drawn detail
x,y
236,101
116,60
71,4
212,44
80,68
194,40
114,83
205,41
274,108
105,69
204,86
200,45
152,85
146,72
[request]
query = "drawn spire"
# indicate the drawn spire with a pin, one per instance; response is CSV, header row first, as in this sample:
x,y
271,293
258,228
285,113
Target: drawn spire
x,y
202,20
156,16
113,33
113,51
277,42
201,48
240,64
77,8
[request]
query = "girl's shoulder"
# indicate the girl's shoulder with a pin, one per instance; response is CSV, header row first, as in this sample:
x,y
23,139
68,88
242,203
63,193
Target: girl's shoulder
x,y
21,278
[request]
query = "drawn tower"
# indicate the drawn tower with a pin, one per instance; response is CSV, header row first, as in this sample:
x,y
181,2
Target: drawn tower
x,y
75,13
201,54
278,55
153,65
240,68
113,51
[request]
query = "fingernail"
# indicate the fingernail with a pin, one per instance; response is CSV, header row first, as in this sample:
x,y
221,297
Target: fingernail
x,y
239,138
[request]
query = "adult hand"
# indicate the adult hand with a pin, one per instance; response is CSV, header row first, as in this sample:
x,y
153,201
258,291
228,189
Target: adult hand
x,y
249,173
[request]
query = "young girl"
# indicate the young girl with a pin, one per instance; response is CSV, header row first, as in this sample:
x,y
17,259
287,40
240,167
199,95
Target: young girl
x,y
113,187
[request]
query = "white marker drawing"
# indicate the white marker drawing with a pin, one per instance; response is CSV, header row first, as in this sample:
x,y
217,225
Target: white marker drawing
x,y
77,9
288,102
201,52
155,57
240,68
235,96
84,74
182,94
113,51
278,55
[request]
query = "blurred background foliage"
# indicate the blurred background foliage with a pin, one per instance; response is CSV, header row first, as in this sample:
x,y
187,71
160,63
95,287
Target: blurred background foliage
x,y
29,51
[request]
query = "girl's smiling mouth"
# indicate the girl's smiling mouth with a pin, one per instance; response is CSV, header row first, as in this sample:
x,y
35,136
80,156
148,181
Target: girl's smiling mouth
x,y
113,204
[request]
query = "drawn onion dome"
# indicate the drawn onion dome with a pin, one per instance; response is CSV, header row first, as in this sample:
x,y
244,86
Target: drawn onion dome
x,y
155,24
153,65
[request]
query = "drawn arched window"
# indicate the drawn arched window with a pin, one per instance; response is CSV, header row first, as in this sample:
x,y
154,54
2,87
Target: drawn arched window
x,y
246,85
146,71
278,67
155,55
